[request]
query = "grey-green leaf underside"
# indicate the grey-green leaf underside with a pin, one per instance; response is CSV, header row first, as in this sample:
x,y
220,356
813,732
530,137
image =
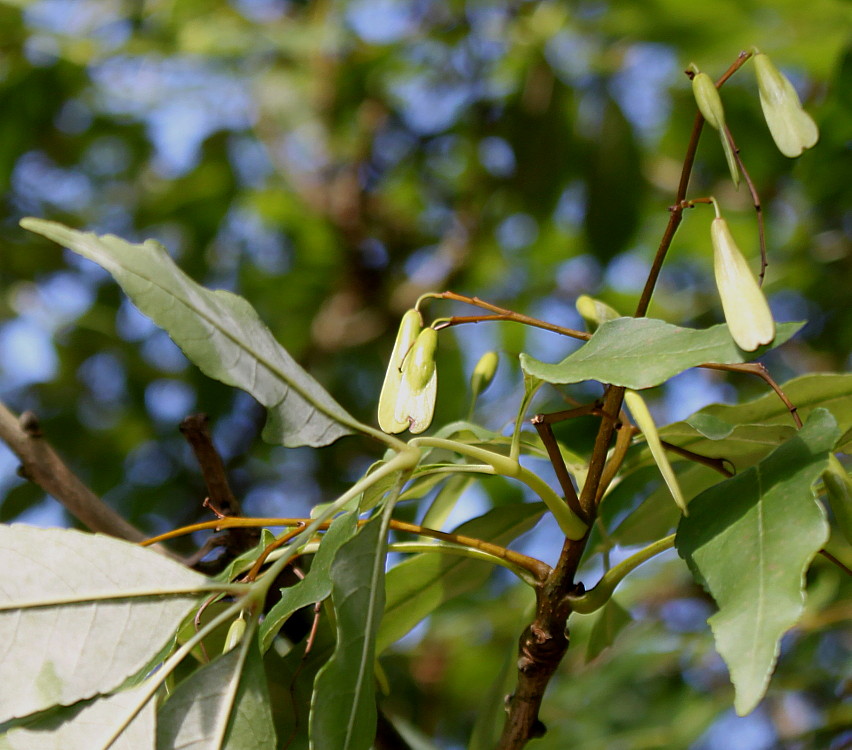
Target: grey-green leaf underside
x,y
72,621
219,331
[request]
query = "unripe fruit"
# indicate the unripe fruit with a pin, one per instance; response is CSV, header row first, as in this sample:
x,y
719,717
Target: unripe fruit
x,y
484,372
792,129
710,104
595,312
746,310
409,328
420,362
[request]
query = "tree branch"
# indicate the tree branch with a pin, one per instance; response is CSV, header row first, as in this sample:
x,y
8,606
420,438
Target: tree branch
x,y
545,640
42,465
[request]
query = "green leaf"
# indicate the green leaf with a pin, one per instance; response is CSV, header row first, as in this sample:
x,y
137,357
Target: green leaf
x,y
343,707
89,724
446,500
643,352
315,586
219,331
224,704
419,585
753,427
838,489
79,613
749,541
609,622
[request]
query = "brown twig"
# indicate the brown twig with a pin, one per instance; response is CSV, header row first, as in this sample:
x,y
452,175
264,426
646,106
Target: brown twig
x,y
622,443
503,314
759,369
42,465
755,197
545,432
220,498
539,569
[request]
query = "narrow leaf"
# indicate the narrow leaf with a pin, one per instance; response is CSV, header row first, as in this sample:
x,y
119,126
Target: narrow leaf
x,y
419,585
343,707
645,422
749,541
219,331
315,586
224,704
643,352
89,725
79,613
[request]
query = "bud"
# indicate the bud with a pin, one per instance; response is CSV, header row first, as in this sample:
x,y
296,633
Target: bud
x,y
409,328
415,403
746,310
792,129
419,365
710,104
595,312
235,633
484,372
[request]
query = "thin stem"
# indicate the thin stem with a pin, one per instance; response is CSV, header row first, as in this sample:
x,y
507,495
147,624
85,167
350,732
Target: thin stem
x,y
755,197
505,314
759,369
457,320
539,569
598,596
622,444
545,432
572,525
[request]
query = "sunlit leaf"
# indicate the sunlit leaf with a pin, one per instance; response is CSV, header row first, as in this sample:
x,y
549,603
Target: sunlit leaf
x,y
643,352
749,540
89,724
79,613
219,331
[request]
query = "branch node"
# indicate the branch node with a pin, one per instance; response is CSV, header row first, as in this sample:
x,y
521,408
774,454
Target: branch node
x,y
30,424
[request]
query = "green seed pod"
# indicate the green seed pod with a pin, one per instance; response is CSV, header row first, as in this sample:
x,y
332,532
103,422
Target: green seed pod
x,y
419,365
746,310
710,104
708,100
595,312
484,372
415,404
409,328
792,129
235,633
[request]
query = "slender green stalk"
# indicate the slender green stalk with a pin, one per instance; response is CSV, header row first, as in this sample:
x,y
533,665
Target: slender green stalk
x,y
572,526
595,598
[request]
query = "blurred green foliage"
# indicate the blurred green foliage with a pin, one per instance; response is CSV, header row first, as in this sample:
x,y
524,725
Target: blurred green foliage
x,y
331,162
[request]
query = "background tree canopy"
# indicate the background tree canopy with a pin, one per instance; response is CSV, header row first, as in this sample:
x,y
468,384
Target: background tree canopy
x,y
333,161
